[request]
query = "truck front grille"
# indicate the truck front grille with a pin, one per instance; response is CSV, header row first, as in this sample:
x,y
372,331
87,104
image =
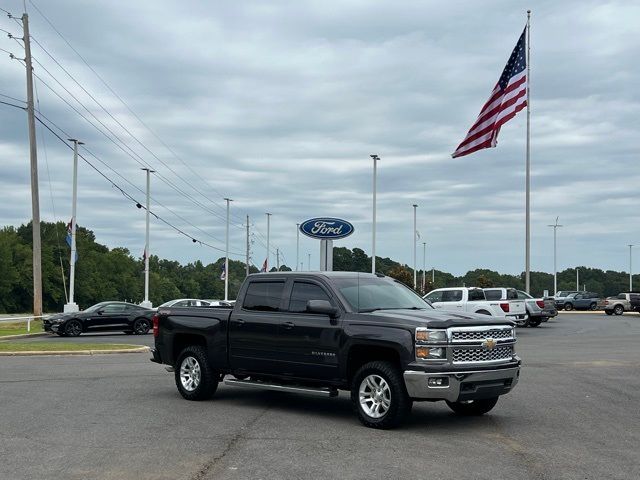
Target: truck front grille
x,y
482,354
495,333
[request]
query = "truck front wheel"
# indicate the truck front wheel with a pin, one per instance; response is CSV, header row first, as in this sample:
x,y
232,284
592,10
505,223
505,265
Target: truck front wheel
x,y
379,396
473,407
195,378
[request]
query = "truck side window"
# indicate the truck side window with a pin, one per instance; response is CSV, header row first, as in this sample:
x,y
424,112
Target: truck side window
x,y
303,292
493,294
435,296
451,295
476,294
263,296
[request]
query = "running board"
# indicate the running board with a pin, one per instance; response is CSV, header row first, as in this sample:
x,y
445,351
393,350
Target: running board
x,y
323,392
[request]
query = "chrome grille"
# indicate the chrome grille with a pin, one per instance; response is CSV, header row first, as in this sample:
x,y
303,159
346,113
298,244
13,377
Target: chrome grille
x,y
496,334
482,354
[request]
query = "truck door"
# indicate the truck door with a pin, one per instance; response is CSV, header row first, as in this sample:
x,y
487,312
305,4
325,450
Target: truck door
x,y
253,328
452,300
309,341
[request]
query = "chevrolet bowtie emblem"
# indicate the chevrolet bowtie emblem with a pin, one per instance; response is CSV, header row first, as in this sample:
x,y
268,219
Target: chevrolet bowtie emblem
x,y
489,344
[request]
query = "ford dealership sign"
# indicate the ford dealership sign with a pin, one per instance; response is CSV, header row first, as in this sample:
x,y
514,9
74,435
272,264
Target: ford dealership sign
x,y
326,228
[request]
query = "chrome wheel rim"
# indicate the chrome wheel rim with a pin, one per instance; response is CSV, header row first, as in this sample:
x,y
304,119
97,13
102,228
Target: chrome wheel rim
x,y
375,396
190,374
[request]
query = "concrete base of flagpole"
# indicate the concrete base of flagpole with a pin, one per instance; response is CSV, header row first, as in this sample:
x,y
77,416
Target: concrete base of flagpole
x,y
71,307
146,304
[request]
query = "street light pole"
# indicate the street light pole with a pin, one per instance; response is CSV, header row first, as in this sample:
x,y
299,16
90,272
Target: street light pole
x,y
424,266
297,245
373,229
555,267
226,255
146,303
577,279
268,233
415,235
630,269
72,306
309,262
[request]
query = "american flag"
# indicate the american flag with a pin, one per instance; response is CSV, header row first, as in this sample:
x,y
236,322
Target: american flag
x,y
508,97
264,266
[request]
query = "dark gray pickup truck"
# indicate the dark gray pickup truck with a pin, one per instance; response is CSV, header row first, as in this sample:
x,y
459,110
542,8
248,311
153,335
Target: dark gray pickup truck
x,y
321,332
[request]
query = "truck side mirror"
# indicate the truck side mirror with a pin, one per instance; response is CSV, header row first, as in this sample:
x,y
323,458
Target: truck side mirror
x,y
322,307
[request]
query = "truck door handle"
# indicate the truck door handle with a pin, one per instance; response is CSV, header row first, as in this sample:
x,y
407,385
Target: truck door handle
x,y
238,321
288,325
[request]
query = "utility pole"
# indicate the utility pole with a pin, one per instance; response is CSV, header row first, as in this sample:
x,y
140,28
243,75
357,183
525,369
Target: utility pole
x,y
278,259
226,255
268,233
577,279
415,239
630,268
33,156
433,277
248,247
301,266
424,266
373,228
297,245
71,306
555,265
146,303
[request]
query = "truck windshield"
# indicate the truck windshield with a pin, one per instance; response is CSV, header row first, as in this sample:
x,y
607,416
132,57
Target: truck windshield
x,y
367,294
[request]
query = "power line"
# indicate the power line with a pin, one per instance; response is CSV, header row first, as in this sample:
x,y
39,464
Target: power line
x,y
133,199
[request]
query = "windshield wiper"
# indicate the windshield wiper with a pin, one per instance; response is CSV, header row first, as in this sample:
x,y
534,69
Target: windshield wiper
x,y
369,310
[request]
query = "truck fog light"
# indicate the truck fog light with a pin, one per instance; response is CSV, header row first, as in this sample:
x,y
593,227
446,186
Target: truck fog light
x,y
438,382
432,353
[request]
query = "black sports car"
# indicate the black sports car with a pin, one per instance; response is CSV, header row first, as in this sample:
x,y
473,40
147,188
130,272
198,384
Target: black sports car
x,y
101,317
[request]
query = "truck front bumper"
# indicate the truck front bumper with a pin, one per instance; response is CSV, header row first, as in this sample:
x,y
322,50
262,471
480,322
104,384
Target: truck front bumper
x,y
461,385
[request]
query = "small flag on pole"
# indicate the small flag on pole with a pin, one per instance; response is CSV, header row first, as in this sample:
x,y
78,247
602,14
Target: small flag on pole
x,y
508,97
68,238
223,273
144,255
264,266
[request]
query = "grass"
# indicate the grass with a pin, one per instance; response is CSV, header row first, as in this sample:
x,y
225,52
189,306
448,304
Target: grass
x,y
18,328
17,346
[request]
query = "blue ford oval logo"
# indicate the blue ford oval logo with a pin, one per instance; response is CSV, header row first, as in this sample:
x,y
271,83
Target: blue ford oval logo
x,y
326,228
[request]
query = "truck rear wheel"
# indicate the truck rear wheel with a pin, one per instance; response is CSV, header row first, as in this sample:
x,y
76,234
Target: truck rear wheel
x,y
618,309
473,407
379,396
535,322
195,378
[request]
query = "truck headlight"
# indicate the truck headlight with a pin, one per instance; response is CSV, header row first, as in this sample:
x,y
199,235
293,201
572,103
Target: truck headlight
x,y
430,336
430,353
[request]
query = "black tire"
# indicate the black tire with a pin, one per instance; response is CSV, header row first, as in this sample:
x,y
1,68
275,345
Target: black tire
x,y
609,312
535,322
207,383
593,306
141,326
568,307
473,408
618,309
395,402
483,312
73,328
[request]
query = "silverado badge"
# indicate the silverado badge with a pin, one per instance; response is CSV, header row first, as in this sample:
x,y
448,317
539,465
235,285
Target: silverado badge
x,y
489,344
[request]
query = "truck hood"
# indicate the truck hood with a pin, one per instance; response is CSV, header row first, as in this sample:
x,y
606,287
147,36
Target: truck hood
x,y
437,318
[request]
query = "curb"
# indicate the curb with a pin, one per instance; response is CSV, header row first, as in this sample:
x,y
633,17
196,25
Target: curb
x,y
74,352
24,335
582,312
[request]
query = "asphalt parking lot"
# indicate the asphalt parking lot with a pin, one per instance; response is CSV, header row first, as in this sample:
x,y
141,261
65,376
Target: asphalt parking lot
x,y
574,415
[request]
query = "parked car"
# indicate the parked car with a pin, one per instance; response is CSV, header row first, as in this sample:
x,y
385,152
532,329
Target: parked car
x,y
101,317
186,302
561,296
473,300
515,304
582,301
618,304
320,332
221,303
538,309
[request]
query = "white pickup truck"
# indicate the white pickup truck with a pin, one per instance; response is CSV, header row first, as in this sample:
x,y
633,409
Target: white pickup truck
x,y
473,300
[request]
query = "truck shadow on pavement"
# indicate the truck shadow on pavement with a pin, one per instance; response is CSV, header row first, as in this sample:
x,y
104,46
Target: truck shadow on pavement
x,y
424,415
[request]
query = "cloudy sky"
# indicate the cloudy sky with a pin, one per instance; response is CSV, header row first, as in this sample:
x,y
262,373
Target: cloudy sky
x,y
278,105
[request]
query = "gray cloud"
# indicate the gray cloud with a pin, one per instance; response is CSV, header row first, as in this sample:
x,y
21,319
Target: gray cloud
x,y
278,105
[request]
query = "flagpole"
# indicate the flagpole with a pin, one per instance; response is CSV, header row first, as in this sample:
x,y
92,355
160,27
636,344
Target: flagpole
x,y
226,255
528,175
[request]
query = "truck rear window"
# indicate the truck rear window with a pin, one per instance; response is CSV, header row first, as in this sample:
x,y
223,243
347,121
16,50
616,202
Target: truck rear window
x,y
263,296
